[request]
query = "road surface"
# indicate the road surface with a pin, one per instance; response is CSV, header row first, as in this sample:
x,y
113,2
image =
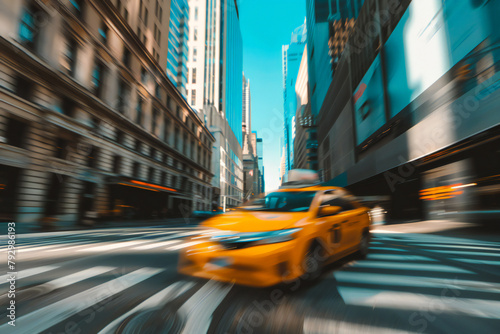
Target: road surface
x,y
423,277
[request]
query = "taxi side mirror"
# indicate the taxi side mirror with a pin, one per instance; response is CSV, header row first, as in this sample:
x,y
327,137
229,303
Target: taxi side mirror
x,y
329,211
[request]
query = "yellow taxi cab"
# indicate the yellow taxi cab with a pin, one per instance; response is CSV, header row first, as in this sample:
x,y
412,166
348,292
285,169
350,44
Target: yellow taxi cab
x,y
295,232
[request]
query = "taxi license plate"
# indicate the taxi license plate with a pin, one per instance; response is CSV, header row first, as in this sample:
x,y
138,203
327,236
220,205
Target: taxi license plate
x,y
217,263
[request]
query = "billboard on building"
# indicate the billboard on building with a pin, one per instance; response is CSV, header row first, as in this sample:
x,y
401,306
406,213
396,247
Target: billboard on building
x,y
369,106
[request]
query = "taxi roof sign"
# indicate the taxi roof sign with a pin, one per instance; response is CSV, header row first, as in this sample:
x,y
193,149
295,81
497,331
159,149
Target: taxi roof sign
x,y
300,178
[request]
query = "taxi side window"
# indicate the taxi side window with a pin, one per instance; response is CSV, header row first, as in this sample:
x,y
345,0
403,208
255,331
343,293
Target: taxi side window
x,y
330,200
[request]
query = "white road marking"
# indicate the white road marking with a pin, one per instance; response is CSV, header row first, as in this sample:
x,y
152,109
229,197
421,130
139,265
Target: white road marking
x,y
199,308
160,298
487,309
157,244
113,246
73,278
313,325
410,266
389,280
28,273
386,231
46,317
183,245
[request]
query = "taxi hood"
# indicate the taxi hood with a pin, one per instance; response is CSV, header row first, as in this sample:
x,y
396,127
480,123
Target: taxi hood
x,y
255,221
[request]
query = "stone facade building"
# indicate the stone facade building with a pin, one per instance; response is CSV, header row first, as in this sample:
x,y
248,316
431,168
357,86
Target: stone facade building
x,y
90,125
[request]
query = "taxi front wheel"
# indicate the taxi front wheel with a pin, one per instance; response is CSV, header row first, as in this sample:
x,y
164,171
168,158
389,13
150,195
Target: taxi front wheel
x,y
313,262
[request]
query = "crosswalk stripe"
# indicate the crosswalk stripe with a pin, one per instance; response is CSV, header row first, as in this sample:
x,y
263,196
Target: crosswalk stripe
x,y
464,247
26,250
73,278
157,244
160,298
113,246
28,273
199,308
46,317
182,245
409,266
314,325
488,309
470,253
390,280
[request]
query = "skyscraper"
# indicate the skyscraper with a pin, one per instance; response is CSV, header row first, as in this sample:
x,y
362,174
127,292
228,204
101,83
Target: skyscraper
x,y
246,121
177,44
292,56
215,89
322,17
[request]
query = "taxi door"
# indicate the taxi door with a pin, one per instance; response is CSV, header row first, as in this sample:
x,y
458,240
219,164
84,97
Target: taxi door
x,y
336,224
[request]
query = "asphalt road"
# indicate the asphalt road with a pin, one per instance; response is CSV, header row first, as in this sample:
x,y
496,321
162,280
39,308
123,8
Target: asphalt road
x,y
424,277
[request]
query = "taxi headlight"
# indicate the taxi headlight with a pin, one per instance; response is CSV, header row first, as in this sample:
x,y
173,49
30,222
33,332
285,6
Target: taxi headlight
x,y
272,237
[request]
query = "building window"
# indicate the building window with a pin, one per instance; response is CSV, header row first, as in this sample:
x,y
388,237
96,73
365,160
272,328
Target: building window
x,y
16,132
165,158
139,110
154,120
145,40
103,33
161,15
193,78
123,94
184,143
196,13
117,164
125,14
97,78
77,7
193,97
29,28
151,174
61,148
120,136
69,56
157,6
163,178
137,146
94,123
166,126
176,138
158,91
136,169
24,88
146,16
126,57
92,157
140,9
68,107
152,153
195,34
195,54
144,75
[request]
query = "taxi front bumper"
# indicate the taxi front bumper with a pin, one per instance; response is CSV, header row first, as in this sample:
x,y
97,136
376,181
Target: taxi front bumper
x,y
259,266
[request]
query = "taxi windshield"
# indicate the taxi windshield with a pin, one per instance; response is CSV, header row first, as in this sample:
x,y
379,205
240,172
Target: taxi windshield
x,y
290,201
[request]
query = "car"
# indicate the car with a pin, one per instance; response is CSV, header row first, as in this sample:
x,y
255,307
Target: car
x,y
296,232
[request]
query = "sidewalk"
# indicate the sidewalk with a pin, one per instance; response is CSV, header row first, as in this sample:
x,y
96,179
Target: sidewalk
x,y
66,226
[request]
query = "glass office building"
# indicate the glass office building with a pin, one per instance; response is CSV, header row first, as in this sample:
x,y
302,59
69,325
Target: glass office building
x,y
178,36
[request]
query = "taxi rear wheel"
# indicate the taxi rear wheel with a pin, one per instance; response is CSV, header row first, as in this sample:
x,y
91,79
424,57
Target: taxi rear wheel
x,y
364,245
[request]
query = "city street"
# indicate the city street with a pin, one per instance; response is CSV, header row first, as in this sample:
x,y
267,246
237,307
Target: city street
x,y
430,277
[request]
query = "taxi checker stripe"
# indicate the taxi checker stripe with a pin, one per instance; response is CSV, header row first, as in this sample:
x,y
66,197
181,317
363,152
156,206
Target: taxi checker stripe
x,y
42,319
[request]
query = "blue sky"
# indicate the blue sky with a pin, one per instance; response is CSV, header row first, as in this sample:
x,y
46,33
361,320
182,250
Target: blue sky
x,y
266,25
